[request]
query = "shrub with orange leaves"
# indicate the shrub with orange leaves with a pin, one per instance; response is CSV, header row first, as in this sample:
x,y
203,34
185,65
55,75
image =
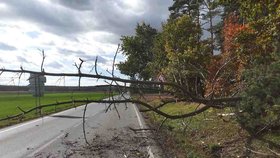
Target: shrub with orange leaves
x,y
230,31
225,69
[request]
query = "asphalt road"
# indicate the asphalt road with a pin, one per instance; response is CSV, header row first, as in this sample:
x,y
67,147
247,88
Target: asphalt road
x,y
61,135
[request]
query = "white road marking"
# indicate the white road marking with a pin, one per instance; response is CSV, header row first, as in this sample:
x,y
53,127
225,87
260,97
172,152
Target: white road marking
x,y
17,126
151,155
138,117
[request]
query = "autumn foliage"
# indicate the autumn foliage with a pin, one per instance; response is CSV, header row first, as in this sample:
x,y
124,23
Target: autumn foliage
x,y
225,69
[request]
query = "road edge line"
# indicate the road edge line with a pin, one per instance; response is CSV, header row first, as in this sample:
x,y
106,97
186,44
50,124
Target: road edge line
x,y
151,155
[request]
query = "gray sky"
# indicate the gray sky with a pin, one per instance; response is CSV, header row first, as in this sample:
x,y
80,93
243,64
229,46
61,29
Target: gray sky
x,y
67,30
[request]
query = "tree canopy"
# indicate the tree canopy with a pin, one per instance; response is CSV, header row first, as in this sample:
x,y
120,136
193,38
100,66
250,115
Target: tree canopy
x,y
247,65
138,50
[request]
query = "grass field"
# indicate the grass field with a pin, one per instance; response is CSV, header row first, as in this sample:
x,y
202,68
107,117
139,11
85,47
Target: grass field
x,y
9,103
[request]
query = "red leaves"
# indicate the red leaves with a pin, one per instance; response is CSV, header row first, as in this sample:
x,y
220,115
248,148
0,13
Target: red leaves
x,y
230,31
225,69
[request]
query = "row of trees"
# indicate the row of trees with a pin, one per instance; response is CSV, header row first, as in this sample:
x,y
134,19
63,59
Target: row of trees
x,y
216,48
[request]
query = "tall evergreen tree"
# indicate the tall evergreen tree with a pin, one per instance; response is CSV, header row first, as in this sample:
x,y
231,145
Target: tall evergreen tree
x,y
184,7
203,12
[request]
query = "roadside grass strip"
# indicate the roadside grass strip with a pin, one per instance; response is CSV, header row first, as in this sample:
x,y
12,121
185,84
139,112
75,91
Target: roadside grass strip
x,y
9,104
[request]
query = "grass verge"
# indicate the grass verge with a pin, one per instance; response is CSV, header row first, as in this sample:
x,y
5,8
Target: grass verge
x,y
9,103
208,134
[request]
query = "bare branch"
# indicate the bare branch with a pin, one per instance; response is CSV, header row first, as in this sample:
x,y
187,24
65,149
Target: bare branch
x,y
204,108
274,152
84,120
21,109
140,129
259,153
95,65
114,60
211,101
43,60
161,124
163,104
79,71
217,73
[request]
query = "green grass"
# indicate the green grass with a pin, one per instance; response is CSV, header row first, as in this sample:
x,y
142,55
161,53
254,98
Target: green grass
x,y
9,103
206,134
202,135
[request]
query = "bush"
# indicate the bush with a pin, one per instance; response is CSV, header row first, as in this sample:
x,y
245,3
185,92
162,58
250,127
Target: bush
x,y
259,110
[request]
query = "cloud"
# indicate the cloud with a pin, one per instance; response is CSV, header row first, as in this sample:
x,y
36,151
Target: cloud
x,y
51,18
122,17
7,47
105,37
50,43
71,52
87,57
21,59
71,17
55,65
76,4
72,29
33,34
